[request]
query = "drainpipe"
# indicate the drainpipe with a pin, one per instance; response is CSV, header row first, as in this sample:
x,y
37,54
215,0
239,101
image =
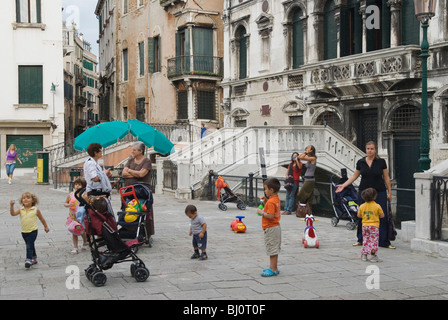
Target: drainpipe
x,y
149,75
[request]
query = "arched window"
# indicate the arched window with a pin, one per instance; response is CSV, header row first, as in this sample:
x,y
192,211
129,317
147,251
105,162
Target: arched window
x,y
351,29
330,31
242,57
406,118
297,39
331,119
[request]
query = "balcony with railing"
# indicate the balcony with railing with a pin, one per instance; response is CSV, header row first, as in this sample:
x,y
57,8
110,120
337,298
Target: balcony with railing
x,y
196,66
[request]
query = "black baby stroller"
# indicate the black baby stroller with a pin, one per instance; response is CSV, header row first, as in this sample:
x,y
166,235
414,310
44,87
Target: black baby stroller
x,y
136,218
106,246
227,196
344,202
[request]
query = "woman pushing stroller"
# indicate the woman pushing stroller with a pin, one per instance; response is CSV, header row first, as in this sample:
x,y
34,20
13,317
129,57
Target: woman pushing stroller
x,y
374,174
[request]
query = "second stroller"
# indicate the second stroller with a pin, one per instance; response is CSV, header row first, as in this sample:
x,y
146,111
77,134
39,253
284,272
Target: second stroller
x,y
227,196
344,204
136,219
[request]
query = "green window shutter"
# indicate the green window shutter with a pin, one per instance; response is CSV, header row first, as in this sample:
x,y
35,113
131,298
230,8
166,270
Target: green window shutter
x,y
18,20
30,85
243,53
203,49
151,57
385,24
125,65
330,31
410,24
297,40
38,11
141,56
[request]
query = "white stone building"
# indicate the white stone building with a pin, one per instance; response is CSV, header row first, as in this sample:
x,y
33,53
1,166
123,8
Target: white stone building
x,y
32,88
314,62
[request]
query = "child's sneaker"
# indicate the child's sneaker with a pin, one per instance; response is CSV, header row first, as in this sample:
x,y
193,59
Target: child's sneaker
x,y
28,263
375,259
195,255
203,256
364,257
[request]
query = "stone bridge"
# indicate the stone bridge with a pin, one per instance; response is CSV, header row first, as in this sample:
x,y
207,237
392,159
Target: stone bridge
x,y
235,151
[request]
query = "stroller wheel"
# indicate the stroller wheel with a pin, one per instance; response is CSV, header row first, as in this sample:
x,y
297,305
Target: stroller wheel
x,y
90,271
141,274
222,206
334,221
241,206
350,225
99,279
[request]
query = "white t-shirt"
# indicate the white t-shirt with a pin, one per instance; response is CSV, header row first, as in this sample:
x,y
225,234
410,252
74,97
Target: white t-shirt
x,y
91,170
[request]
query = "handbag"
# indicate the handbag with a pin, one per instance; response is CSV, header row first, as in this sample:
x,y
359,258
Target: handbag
x,y
289,182
74,226
392,233
303,211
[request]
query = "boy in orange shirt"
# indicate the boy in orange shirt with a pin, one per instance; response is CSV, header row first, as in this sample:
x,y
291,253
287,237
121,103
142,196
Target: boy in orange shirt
x,y
370,212
270,223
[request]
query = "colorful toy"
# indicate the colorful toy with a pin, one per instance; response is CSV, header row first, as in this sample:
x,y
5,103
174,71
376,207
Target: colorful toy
x,y
260,207
133,206
73,203
310,237
237,225
129,217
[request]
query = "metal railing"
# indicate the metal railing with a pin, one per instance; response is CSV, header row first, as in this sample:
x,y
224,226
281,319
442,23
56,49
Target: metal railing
x,y
250,189
63,177
439,206
195,65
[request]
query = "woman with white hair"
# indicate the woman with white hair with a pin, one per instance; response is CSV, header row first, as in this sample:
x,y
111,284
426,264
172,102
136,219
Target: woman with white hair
x,y
138,168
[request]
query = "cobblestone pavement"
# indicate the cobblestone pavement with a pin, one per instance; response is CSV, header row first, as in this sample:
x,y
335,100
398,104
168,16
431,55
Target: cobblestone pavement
x,y
232,271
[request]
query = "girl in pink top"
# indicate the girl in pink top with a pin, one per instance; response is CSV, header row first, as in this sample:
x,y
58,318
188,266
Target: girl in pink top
x,y
11,156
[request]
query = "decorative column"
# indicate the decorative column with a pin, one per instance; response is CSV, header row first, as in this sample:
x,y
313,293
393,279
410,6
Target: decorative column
x,y
395,22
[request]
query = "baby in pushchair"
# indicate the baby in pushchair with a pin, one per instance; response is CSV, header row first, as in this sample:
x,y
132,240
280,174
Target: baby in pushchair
x,y
106,246
344,202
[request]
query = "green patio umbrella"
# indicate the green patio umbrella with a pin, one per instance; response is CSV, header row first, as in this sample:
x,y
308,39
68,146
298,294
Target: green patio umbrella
x,y
105,133
151,137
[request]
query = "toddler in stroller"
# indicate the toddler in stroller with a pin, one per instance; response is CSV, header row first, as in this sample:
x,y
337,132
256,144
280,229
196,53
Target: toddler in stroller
x,y
227,196
344,204
136,218
105,244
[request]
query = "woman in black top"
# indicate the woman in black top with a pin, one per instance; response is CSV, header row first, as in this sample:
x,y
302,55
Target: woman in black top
x,y
374,174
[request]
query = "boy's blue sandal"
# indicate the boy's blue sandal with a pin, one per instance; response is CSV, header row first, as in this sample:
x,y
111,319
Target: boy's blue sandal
x,y
269,273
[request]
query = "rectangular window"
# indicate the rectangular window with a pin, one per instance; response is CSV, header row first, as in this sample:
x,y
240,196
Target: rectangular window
x,y
125,65
140,109
141,55
206,104
125,6
182,104
28,11
30,85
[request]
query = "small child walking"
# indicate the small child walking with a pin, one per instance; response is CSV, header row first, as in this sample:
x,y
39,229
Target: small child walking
x,y
270,223
72,203
28,219
370,212
198,230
